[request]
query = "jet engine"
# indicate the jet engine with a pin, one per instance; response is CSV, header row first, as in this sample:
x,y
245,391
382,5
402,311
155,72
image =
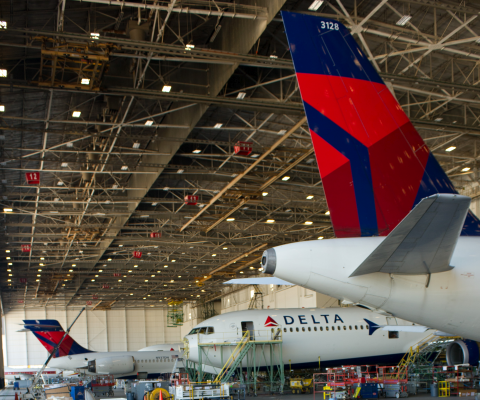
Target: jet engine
x,y
463,352
112,365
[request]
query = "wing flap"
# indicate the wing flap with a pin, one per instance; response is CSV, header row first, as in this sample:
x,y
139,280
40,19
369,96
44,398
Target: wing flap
x,y
423,243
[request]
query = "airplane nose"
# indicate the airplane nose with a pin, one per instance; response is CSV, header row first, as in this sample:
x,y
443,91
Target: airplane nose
x,y
269,261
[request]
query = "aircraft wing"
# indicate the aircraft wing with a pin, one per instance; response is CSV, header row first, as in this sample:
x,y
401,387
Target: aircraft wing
x,y
258,281
424,241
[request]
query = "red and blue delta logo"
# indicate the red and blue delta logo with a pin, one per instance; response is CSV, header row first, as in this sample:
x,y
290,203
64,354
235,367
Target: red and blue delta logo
x,y
270,322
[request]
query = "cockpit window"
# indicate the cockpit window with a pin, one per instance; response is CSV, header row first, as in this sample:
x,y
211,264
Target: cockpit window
x,y
210,330
194,331
203,330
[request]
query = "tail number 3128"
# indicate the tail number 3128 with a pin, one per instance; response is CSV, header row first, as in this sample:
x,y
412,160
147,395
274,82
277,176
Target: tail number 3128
x,y
329,25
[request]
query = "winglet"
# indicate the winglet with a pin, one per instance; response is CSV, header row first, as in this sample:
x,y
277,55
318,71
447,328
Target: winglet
x,y
372,326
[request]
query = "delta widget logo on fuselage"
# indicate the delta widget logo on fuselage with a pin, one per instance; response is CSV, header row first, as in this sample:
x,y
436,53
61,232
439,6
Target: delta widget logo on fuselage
x,y
303,319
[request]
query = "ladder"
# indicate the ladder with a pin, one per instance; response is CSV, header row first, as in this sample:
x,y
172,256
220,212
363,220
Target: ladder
x,y
235,358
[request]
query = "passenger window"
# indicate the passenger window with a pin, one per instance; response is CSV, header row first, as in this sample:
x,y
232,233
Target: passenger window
x,y
393,335
297,329
303,329
326,328
333,328
284,329
344,328
291,329
315,328
350,327
356,327
321,329
210,330
361,327
309,329
203,330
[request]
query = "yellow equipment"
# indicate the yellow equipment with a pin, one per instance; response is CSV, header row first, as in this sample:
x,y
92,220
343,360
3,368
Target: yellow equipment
x,y
301,385
155,394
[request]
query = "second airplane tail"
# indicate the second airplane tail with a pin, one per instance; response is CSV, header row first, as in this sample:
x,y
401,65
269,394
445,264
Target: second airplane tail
x,y
374,165
49,332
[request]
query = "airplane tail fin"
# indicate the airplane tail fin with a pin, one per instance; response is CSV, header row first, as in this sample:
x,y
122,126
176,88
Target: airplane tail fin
x,y
374,165
372,326
49,332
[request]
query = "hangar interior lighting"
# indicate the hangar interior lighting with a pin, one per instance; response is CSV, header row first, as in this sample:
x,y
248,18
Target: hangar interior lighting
x,y
308,222
3,73
7,209
270,221
404,20
149,122
189,47
315,5
265,194
320,237
2,108
64,164
124,167
327,213
94,35
3,24
230,219
76,114
285,178
241,95
451,148
218,126
310,197
166,88
466,169
85,81
136,145
196,151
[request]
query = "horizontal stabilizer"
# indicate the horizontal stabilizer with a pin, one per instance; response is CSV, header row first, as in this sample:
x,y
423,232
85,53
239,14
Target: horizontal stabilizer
x,y
258,281
424,241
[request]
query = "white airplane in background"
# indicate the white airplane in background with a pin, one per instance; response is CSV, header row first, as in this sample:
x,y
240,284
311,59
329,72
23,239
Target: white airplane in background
x,y
333,336
406,242
152,360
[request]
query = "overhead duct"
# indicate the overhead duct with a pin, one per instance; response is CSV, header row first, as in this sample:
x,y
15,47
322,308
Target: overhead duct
x,y
137,32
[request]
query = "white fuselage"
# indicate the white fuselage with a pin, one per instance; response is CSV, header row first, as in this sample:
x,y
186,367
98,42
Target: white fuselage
x,y
447,301
333,336
151,362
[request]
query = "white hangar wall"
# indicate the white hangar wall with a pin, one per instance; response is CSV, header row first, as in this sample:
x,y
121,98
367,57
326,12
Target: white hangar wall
x,y
274,296
112,330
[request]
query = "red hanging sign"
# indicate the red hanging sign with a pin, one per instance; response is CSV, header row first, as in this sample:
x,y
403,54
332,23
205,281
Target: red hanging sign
x,y
89,303
33,178
137,254
117,274
105,286
95,297
26,248
20,301
23,280
243,148
154,235
191,200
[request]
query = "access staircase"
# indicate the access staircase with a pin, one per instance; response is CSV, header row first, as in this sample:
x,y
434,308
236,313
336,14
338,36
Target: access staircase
x,y
235,359
424,353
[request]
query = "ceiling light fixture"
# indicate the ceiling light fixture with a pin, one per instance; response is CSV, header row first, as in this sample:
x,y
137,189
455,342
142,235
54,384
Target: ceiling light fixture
x,y
320,238
196,151
136,145
149,122
64,164
315,5
439,119
124,167
3,73
308,222
94,35
327,213
265,194
85,81
465,169
285,178
76,114
270,221
189,47
218,126
230,219
310,197
7,209
166,88
404,20
2,108
241,95
451,148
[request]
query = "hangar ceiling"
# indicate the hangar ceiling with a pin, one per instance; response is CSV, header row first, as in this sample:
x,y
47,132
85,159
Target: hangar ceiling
x,y
124,109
